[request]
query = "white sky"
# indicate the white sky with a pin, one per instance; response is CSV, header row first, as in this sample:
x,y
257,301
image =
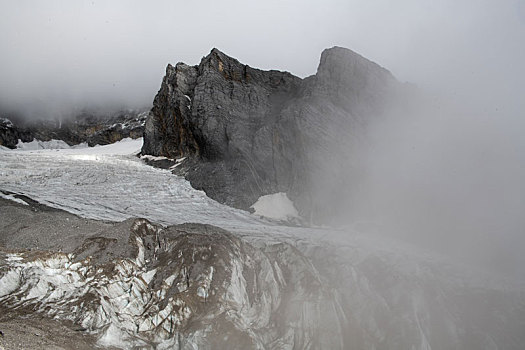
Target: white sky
x,y
68,53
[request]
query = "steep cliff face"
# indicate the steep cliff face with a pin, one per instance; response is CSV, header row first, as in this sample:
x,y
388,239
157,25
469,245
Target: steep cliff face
x,y
247,132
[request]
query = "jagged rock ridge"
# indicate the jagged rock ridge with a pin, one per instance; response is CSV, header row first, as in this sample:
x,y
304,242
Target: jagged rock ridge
x,y
89,127
247,132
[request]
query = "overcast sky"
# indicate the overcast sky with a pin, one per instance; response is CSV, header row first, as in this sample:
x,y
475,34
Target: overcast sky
x,y
59,54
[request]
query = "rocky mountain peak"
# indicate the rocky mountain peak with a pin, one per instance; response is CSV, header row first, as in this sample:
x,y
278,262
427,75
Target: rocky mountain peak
x,y
347,77
215,56
247,132
342,59
216,62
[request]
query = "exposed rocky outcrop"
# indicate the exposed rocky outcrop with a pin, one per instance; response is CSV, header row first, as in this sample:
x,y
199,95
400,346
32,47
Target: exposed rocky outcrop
x,y
247,132
91,128
106,129
10,134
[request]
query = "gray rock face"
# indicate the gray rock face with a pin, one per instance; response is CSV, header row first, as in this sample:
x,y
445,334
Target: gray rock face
x,y
10,134
103,130
248,132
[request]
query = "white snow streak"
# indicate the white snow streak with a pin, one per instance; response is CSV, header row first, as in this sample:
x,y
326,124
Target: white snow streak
x,y
13,198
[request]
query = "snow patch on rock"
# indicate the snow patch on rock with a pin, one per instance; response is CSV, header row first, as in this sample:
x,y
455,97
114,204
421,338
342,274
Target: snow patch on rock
x,y
275,206
154,158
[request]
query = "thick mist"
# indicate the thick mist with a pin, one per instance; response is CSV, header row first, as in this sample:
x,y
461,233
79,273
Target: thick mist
x,y
448,175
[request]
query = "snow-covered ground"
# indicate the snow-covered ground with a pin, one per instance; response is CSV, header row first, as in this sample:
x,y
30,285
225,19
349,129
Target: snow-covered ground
x,y
387,294
111,183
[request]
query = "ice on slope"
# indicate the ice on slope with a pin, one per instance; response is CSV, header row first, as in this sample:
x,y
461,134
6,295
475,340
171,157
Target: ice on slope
x,y
135,298
275,206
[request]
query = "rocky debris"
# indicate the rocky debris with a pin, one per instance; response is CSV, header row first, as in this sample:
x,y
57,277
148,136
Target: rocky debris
x,y
247,132
91,128
36,226
36,333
